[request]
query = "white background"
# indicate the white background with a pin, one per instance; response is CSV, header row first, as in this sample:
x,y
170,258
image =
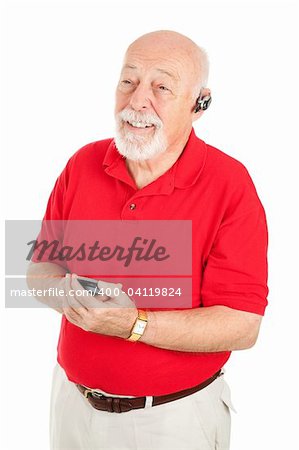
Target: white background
x,y
62,61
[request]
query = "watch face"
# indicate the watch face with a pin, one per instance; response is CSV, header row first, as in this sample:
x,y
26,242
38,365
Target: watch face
x,y
139,326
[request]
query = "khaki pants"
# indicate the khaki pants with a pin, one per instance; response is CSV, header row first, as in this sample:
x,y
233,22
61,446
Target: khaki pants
x,y
200,421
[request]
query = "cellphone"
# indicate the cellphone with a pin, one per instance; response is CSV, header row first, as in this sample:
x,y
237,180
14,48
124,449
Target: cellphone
x,y
90,285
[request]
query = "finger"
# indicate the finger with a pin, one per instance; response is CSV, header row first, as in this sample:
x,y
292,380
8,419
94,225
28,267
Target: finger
x,y
109,304
123,300
111,290
70,317
101,298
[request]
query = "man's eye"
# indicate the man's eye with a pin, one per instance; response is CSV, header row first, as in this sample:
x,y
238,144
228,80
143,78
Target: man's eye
x,y
163,88
126,82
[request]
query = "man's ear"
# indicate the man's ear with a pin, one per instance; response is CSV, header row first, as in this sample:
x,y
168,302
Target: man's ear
x,y
202,102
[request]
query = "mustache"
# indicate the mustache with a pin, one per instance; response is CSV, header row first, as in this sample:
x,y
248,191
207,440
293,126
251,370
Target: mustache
x,y
130,115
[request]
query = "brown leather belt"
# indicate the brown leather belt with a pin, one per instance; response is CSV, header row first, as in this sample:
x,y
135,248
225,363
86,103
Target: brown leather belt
x,y
123,404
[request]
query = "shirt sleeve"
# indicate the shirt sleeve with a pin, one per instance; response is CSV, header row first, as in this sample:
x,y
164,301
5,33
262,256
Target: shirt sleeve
x,y
235,274
50,237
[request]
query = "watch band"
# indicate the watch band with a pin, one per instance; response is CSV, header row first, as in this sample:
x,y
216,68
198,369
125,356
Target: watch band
x,y
139,326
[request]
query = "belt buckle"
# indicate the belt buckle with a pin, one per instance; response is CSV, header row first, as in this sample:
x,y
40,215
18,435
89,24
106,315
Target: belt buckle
x,y
93,392
96,394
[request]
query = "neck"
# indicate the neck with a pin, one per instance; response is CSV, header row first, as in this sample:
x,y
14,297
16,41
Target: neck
x,y
144,172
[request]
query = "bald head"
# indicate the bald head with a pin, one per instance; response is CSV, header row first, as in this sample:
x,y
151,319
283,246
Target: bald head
x,y
171,44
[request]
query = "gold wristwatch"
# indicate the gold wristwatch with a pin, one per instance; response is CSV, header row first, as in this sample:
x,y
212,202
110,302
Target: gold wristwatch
x,y
139,326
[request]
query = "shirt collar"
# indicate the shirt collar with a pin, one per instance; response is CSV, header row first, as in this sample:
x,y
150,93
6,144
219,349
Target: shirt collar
x,y
191,162
183,174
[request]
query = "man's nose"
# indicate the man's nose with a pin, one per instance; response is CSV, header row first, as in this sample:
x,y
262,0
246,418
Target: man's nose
x,y
140,98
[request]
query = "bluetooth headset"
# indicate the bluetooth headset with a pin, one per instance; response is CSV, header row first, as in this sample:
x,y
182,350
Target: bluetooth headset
x,y
202,103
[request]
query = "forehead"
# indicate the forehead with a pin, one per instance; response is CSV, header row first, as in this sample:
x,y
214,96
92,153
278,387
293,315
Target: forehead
x,y
173,64
158,69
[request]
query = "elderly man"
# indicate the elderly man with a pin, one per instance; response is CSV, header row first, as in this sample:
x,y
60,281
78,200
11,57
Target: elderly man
x,y
166,390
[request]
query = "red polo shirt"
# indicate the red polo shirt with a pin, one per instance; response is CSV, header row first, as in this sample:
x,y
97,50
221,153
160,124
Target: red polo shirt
x,y
229,256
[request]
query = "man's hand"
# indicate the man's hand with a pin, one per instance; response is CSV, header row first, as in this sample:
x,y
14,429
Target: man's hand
x,y
113,316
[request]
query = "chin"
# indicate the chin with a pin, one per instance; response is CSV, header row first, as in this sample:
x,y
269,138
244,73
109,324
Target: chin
x,y
137,147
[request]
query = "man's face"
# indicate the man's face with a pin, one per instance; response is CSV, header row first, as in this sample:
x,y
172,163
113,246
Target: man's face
x,y
154,102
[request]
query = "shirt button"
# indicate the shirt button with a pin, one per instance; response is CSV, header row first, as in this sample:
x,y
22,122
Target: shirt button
x,y
132,206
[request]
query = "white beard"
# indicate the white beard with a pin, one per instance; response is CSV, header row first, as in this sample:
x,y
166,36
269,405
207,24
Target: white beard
x,y
136,147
